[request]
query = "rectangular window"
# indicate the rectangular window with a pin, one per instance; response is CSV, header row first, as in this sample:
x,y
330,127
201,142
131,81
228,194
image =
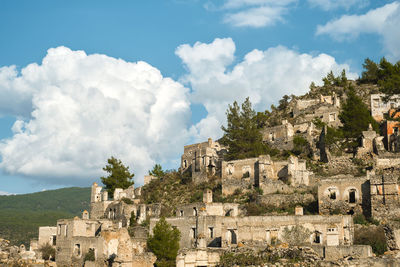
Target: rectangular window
x,y
193,234
211,232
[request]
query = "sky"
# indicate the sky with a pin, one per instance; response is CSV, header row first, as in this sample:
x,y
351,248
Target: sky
x,y
81,81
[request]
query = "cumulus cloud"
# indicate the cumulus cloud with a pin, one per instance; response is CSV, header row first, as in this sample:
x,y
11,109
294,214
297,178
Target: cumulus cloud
x,y
85,108
264,76
253,13
335,4
383,21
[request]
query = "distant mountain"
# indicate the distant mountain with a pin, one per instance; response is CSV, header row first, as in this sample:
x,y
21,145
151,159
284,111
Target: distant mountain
x,y
21,215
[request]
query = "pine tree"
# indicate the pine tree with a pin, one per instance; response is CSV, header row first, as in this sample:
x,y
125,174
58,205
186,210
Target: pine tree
x,y
242,134
164,243
157,171
355,116
119,176
370,73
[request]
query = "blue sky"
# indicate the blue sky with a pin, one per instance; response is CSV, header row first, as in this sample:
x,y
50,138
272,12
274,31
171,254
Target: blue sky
x,y
83,80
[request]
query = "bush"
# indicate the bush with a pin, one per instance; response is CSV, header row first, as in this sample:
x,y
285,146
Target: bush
x,y
373,236
48,252
360,219
301,146
89,256
127,200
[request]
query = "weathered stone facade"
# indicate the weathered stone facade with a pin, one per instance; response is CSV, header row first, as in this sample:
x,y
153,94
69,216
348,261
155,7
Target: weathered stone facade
x,y
110,243
202,160
263,173
385,201
344,194
379,107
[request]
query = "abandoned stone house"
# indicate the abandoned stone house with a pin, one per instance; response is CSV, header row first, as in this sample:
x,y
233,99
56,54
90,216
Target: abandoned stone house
x,y
380,106
107,241
208,231
344,194
326,108
121,207
384,195
376,194
104,231
202,160
47,235
261,172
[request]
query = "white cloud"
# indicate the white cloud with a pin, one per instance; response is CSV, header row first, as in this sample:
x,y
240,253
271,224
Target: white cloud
x,y
335,4
86,108
256,17
3,193
15,93
253,13
264,76
383,21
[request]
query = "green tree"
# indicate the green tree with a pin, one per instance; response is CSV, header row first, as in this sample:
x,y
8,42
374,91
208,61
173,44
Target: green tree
x,y
242,134
284,102
118,176
157,171
389,77
48,252
164,243
355,116
301,147
370,73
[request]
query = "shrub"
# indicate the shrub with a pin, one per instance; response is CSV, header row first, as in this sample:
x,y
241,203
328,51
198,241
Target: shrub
x,y
127,200
89,256
360,219
301,146
48,252
373,236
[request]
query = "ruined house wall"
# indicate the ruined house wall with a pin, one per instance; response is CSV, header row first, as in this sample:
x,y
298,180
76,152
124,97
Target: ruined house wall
x,y
385,200
73,243
303,104
210,209
344,194
379,107
229,231
333,230
47,235
197,257
239,175
71,247
201,160
280,133
264,173
391,133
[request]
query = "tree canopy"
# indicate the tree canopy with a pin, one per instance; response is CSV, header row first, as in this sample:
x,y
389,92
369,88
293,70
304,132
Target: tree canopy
x,y
242,134
385,74
164,243
157,171
355,116
118,176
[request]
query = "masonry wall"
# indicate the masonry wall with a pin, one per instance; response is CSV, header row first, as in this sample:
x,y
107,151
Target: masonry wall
x,y
380,107
229,231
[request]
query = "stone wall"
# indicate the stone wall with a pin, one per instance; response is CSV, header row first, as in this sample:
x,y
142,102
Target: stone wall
x,y
230,231
340,252
201,160
344,194
380,107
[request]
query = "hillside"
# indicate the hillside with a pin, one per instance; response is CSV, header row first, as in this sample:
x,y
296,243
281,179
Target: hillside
x,y
21,215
